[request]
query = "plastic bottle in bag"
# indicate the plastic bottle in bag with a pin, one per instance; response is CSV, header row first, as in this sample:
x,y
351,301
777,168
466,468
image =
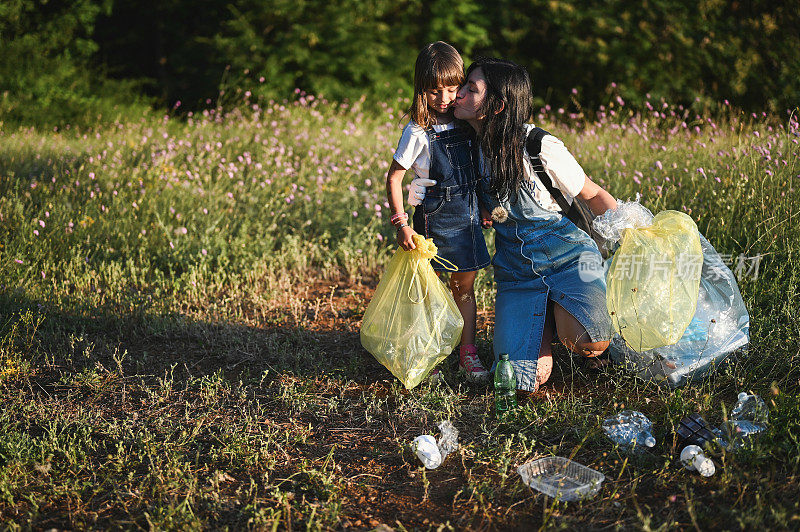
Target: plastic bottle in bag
x,y
631,429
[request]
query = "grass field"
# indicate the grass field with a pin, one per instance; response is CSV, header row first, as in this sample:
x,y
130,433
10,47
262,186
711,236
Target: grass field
x,y
180,301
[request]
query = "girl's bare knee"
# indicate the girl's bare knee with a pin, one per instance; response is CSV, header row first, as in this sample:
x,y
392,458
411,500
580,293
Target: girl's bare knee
x,y
463,287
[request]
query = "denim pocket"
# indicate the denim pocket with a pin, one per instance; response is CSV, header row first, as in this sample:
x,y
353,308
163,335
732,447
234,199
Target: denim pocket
x,y
432,205
458,154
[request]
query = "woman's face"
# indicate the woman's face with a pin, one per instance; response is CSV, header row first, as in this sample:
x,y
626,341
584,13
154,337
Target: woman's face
x,y
470,97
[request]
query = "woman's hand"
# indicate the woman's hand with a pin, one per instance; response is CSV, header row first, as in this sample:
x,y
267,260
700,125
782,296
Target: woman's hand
x,y
404,238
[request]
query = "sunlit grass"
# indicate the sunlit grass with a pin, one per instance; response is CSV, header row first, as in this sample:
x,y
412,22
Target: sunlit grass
x,y
179,308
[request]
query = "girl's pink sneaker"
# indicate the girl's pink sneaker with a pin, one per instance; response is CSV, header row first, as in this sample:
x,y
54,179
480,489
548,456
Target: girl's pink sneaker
x,y
469,363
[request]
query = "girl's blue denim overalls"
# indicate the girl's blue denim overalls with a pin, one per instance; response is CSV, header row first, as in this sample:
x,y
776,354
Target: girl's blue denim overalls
x,y
449,214
541,256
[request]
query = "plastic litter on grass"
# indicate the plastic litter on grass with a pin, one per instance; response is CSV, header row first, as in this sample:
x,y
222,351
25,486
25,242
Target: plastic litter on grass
x,y
432,452
561,478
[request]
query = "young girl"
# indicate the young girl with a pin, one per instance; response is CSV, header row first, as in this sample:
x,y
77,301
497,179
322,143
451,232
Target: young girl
x,y
439,151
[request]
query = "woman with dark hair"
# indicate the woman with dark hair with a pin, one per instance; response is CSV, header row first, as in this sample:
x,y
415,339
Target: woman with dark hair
x,y
546,268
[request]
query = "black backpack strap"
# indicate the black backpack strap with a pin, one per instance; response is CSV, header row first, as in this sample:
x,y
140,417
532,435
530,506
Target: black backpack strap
x,y
533,145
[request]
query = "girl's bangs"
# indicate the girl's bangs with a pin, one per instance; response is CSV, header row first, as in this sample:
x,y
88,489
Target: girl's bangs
x,y
443,75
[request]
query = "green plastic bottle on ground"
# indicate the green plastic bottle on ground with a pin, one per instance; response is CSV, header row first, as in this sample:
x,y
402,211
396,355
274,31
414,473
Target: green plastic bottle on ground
x,y
505,386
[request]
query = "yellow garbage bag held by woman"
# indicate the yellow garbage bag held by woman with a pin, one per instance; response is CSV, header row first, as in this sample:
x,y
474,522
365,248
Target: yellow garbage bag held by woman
x,y
654,281
412,322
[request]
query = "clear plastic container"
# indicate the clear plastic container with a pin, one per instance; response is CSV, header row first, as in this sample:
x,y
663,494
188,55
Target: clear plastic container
x,y
561,478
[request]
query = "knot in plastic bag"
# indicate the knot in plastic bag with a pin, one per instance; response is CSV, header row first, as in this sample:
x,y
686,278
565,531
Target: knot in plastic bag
x,y
628,215
425,248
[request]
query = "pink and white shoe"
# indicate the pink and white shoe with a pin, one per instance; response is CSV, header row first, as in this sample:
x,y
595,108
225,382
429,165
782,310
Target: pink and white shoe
x,y
469,363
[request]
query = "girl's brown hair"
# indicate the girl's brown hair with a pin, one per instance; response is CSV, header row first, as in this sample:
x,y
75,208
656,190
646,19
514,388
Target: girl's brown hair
x,y
438,65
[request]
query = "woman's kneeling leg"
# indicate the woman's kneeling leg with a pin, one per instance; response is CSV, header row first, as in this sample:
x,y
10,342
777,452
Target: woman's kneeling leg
x,y
574,336
544,366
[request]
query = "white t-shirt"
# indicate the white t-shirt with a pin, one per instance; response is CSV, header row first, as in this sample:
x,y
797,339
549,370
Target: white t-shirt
x,y
414,149
564,171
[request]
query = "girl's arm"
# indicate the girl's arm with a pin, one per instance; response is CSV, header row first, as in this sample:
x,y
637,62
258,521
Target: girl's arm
x,y
394,192
595,196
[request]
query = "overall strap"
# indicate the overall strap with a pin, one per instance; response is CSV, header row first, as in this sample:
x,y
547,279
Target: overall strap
x,y
533,145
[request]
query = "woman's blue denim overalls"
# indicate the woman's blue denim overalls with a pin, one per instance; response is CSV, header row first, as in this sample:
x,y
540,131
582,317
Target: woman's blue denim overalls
x,y
449,214
540,256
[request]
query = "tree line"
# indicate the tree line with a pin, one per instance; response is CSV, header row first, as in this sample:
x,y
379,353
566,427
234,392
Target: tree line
x,y
73,59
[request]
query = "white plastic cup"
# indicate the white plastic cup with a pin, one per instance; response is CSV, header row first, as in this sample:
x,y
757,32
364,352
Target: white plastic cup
x,y
427,451
693,459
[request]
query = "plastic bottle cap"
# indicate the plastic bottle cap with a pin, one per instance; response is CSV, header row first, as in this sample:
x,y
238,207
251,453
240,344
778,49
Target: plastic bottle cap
x,y
650,441
742,396
503,356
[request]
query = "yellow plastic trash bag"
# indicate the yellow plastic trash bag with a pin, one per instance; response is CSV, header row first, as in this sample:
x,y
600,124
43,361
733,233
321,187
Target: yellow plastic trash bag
x,y
412,322
654,281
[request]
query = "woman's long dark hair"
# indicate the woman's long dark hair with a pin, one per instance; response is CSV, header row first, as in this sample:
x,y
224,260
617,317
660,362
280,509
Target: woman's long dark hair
x,y
507,107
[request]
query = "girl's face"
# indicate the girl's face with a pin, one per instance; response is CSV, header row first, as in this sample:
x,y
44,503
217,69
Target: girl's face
x,y
470,97
440,100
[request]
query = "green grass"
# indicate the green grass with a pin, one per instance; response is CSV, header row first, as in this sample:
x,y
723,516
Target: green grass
x,y
179,342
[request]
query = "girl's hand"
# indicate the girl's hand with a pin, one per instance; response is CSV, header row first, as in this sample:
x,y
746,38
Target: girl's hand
x,y
416,191
404,238
486,218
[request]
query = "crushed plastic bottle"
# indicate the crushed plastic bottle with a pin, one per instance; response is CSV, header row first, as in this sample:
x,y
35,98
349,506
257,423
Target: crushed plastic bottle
x,y
448,441
432,453
693,459
750,415
630,429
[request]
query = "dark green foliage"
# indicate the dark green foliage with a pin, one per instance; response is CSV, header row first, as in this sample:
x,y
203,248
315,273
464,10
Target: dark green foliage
x,y
56,58
44,50
339,49
747,52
